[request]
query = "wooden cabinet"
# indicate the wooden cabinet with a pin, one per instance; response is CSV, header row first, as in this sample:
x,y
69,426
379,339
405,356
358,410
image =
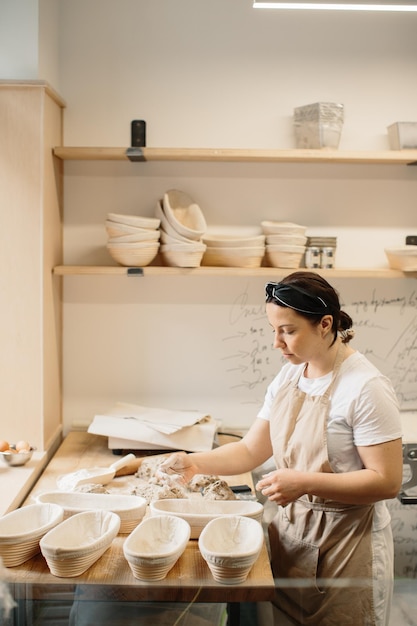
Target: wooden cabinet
x,y
31,246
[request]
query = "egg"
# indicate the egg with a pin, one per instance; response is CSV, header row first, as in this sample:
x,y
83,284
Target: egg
x,y
21,446
4,445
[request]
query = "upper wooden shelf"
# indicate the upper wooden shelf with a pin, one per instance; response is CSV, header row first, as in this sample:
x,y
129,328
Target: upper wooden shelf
x,y
153,270
398,157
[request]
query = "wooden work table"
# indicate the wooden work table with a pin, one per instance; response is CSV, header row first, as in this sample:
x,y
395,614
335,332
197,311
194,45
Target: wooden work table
x,y
110,578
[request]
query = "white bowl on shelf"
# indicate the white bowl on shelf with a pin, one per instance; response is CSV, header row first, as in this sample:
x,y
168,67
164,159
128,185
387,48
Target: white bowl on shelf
x,y
183,214
21,531
139,221
78,542
137,254
402,258
130,509
248,257
199,512
230,545
154,547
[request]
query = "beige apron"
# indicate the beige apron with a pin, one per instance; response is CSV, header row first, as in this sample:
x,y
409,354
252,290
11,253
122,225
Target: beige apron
x,y
320,549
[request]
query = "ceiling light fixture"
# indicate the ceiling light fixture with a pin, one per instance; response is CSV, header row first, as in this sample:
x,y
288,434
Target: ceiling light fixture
x,y
354,5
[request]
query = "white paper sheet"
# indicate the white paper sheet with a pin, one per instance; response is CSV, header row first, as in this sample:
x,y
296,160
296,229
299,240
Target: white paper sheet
x,y
154,428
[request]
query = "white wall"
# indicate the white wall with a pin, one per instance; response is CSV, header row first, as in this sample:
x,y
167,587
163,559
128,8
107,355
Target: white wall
x,y
19,39
217,74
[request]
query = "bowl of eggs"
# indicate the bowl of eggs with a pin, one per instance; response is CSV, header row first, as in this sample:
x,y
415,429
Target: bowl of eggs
x,y
16,453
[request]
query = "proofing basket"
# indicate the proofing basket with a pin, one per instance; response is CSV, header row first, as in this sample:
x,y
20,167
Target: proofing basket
x,y
130,509
154,547
199,512
230,545
73,546
22,529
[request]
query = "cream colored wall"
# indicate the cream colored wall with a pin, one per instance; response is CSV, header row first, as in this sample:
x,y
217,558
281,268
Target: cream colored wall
x,y
213,74
219,74
19,39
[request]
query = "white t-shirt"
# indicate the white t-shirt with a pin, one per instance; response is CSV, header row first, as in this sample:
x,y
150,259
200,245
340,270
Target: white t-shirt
x,y
363,411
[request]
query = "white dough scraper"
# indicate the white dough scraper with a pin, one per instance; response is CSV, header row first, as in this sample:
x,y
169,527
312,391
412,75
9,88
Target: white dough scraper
x,y
98,475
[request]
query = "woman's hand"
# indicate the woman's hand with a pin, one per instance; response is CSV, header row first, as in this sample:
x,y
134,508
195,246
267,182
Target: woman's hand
x,y
281,486
178,466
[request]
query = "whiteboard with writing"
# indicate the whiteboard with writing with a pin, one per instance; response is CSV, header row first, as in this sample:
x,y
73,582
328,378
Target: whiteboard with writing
x,y
385,320
204,343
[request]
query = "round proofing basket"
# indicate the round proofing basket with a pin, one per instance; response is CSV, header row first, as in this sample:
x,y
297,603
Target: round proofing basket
x,y
141,236
168,229
134,220
247,257
289,257
182,255
139,255
184,215
282,228
116,229
227,241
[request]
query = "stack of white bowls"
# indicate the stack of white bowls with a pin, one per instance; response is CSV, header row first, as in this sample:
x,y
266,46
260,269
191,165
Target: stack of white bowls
x,y
182,227
285,243
133,240
234,247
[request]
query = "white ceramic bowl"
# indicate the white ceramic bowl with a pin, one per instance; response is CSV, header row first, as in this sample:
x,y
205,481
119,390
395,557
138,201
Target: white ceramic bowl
x,y
199,512
230,545
130,509
289,257
22,529
184,215
228,241
402,258
134,255
134,220
154,547
282,228
78,542
248,257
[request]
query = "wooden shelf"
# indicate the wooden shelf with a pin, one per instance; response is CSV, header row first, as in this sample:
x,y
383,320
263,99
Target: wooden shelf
x,y
117,270
389,157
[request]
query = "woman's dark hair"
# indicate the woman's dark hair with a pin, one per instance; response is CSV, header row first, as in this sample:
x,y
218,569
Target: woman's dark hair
x,y
316,285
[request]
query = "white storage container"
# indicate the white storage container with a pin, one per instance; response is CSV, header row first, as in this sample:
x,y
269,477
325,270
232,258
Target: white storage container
x,y
318,125
402,135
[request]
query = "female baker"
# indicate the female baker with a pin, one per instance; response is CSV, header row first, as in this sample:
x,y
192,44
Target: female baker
x,y
331,422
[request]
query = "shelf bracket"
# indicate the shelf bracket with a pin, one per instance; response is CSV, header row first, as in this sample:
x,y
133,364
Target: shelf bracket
x,y
135,154
135,271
